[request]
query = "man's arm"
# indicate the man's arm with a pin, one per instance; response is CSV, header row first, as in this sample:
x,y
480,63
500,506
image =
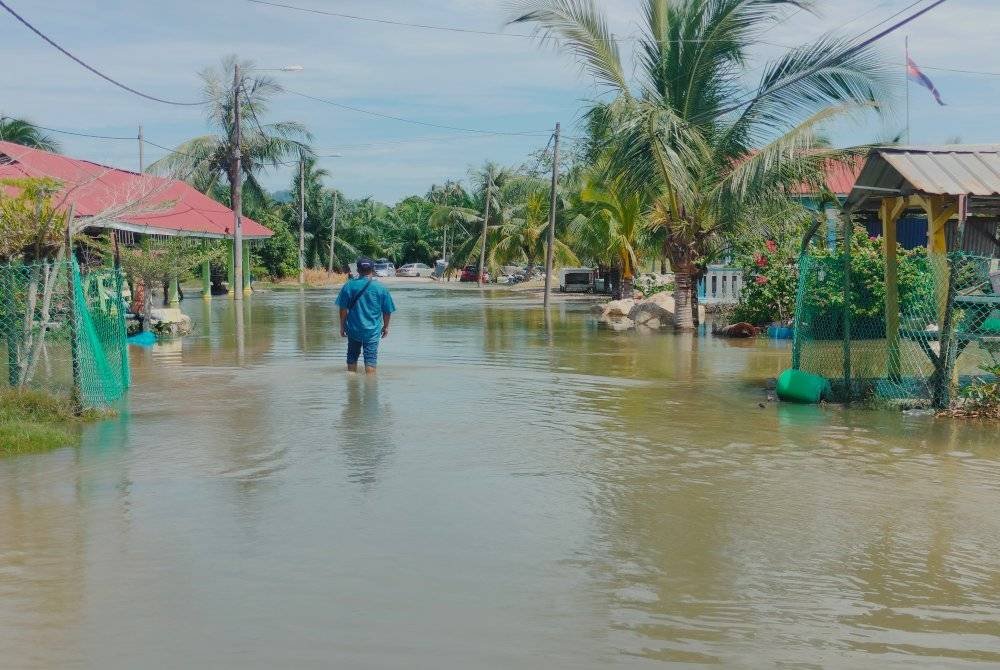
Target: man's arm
x,y
343,322
385,323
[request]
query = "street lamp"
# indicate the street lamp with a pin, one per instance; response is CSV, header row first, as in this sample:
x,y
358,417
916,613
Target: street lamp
x,y
237,195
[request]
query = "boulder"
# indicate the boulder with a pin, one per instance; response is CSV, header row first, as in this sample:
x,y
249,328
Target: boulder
x,y
646,318
659,305
619,324
615,308
170,321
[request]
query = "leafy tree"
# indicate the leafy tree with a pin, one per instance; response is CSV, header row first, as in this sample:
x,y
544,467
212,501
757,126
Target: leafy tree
x,y
150,266
689,133
610,226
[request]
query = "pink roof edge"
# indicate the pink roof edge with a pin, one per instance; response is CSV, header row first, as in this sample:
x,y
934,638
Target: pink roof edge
x,y
132,201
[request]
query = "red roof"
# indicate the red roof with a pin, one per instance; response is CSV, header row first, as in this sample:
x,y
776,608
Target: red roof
x,y
840,178
160,206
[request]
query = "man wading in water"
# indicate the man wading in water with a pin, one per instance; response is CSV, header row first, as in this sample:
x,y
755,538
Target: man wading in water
x,y
365,308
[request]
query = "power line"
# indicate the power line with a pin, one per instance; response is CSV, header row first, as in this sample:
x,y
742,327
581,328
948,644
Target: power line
x,y
92,69
960,71
452,29
75,134
848,52
891,17
405,120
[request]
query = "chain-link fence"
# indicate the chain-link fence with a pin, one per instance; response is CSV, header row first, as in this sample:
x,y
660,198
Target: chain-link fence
x,y
64,332
939,332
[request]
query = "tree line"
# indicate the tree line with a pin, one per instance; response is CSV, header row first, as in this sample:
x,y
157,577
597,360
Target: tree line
x,y
681,158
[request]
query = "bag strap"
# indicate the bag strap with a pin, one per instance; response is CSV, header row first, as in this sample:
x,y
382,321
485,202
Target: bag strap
x,y
357,296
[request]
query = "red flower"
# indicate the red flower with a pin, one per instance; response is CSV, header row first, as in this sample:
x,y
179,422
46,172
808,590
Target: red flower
x,y
760,261
771,245
760,279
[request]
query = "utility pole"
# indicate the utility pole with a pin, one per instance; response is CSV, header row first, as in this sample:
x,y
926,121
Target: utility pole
x,y
142,141
486,221
237,194
302,220
333,229
550,248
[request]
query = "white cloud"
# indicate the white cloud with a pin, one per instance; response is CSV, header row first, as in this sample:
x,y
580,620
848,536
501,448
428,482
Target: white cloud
x,y
467,80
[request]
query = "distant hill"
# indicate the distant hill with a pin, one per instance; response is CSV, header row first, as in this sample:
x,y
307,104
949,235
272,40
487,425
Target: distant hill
x,y
282,196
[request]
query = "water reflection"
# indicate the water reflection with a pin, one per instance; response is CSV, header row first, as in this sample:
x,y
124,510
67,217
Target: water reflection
x,y
513,486
365,430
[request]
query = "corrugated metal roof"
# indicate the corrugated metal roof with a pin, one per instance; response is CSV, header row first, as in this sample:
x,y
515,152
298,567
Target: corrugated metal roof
x,y
934,170
949,170
168,206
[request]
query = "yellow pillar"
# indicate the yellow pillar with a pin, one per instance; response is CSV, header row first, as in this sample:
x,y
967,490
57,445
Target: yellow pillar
x,y
939,209
889,213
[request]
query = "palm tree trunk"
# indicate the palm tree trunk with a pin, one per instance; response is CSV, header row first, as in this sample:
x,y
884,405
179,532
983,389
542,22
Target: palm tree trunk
x,y
627,283
695,303
695,312
683,315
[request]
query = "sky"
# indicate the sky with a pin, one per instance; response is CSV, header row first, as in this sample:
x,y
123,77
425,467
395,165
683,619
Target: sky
x,y
492,83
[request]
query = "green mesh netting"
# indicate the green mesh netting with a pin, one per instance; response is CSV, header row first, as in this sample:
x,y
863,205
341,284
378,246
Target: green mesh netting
x,y
945,334
41,345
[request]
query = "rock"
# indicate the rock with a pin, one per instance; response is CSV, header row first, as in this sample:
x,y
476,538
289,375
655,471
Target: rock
x,y
620,324
741,329
170,321
646,318
659,306
615,308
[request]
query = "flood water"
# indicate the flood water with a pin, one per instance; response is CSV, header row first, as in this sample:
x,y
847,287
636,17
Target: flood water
x,y
503,495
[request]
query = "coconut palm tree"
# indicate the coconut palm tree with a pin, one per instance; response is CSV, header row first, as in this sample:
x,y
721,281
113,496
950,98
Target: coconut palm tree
x,y
318,210
689,132
204,161
411,230
20,131
516,232
611,226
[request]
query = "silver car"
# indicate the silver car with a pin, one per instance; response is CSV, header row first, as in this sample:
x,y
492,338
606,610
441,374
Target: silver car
x,y
415,270
384,268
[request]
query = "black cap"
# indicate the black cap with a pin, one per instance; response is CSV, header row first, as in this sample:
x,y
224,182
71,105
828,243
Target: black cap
x,y
365,263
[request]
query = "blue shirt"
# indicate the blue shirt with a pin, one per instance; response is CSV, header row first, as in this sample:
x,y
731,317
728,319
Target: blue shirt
x,y
364,322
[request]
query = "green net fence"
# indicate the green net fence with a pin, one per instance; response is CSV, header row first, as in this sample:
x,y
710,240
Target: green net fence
x,y
939,333
63,331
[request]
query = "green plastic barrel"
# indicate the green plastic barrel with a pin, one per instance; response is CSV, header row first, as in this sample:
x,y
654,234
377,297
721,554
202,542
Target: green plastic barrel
x,y
801,387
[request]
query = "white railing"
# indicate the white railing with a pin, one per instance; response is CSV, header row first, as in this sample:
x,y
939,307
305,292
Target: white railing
x,y
721,285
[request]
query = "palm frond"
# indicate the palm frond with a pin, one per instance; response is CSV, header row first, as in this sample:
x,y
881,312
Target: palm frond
x,y
582,28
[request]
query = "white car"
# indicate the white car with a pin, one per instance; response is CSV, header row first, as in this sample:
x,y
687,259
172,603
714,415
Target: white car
x,y
415,270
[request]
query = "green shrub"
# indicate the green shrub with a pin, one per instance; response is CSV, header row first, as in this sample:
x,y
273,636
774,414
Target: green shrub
x,y
982,397
770,276
33,421
770,281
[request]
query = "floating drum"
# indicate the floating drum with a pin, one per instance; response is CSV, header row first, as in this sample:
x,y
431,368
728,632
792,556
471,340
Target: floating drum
x,y
802,387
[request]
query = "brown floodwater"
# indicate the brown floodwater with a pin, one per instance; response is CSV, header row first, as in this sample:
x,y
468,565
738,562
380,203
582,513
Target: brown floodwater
x,y
504,495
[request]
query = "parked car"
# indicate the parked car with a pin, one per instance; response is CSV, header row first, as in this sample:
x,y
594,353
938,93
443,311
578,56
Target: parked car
x,y
471,273
384,268
415,270
576,280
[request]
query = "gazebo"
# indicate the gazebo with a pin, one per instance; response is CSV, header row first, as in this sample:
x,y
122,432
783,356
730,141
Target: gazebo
x,y
132,203
952,295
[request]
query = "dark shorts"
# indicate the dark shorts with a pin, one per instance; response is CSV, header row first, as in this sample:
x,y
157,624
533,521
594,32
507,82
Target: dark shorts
x,y
370,347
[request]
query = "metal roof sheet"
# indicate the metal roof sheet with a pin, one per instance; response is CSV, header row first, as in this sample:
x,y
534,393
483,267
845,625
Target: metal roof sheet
x,y
168,206
934,170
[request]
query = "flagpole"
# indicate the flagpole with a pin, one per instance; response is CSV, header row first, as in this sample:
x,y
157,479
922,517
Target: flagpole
x,y
906,76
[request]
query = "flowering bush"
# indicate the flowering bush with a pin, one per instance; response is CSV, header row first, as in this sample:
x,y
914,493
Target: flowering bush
x,y
770,276
771,280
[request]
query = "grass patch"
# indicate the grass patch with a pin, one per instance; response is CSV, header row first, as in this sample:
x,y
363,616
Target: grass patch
x,y
34,421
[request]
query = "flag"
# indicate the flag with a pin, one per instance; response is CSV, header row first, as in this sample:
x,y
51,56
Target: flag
x,y
915,74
